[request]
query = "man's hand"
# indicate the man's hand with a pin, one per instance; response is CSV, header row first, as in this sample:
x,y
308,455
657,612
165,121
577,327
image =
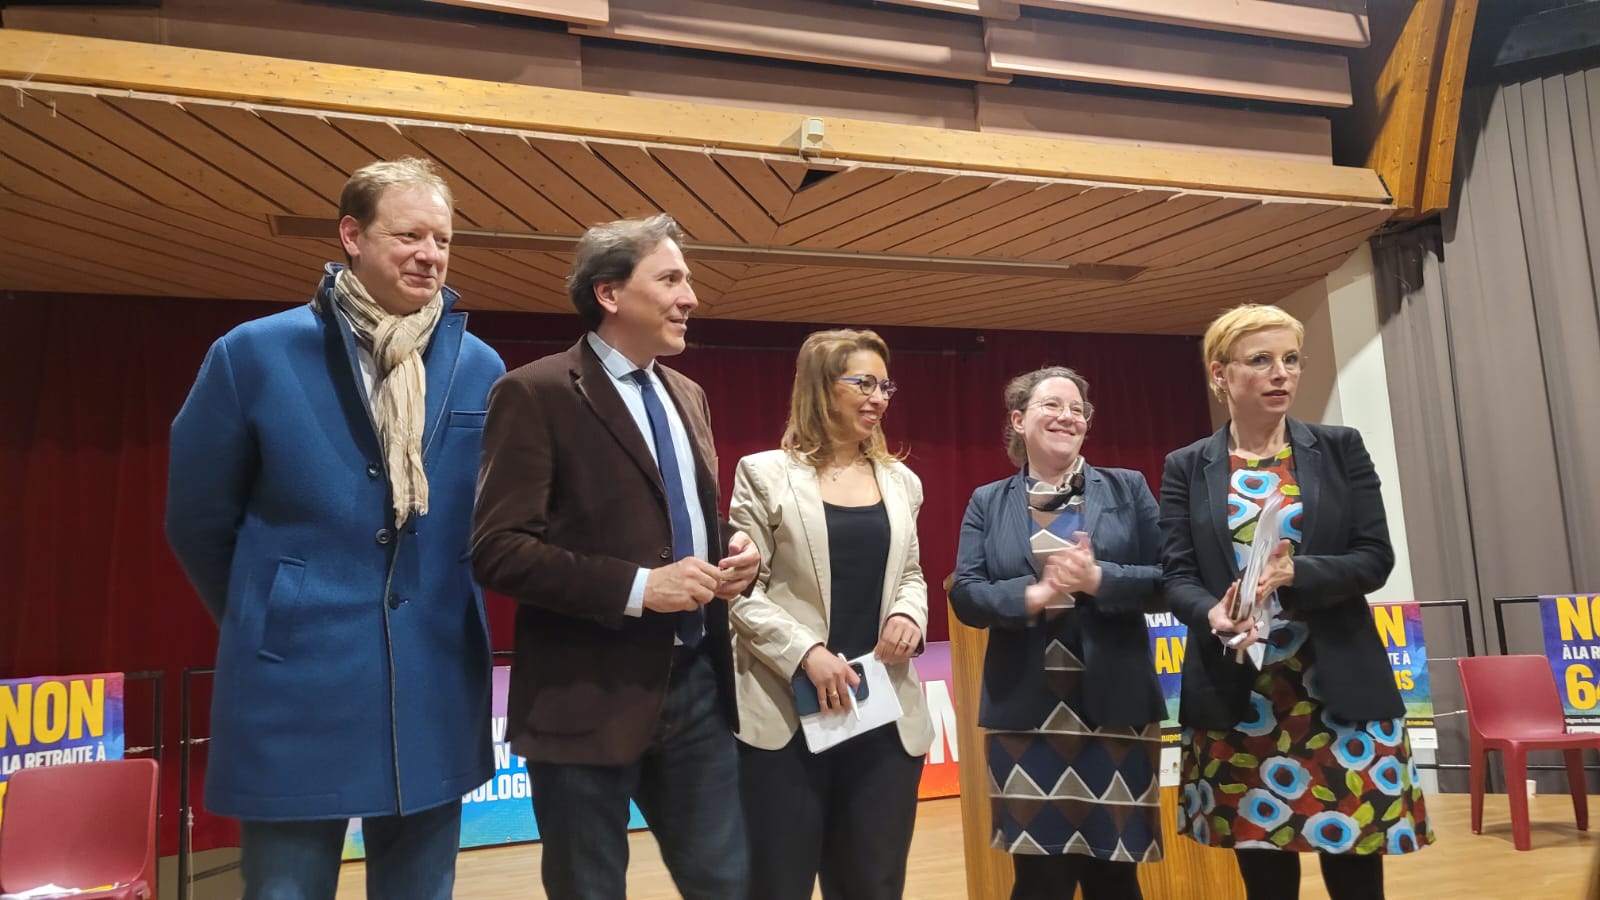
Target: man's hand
x,y
685,585
739,567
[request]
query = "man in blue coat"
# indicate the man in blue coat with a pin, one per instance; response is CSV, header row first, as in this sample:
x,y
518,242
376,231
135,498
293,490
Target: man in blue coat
x,y
320,499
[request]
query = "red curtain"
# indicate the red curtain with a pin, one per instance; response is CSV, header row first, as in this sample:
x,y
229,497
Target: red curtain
x,y
90,386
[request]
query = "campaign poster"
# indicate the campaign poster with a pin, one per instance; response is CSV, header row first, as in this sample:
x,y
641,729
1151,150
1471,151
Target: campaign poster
x,y
499,811
1571,646
941,771
60,720
1169,638
1400,627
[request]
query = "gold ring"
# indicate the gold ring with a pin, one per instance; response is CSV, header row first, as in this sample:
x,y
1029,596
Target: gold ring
x,y
904,641
833,693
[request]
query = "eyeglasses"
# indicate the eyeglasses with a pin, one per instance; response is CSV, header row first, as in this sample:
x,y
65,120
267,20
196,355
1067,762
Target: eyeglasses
x,y
1055,408
869,383
1262,363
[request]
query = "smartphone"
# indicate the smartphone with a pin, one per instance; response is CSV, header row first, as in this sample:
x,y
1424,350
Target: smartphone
x,y
805,693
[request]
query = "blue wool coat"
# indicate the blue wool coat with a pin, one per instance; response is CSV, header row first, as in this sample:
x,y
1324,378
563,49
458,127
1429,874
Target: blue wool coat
x,y
353,663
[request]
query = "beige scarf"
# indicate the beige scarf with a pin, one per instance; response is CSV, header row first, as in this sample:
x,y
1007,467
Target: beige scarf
x,y
399,390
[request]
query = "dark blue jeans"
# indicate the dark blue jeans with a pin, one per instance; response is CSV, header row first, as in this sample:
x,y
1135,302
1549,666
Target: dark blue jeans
x,y
687,786
408,857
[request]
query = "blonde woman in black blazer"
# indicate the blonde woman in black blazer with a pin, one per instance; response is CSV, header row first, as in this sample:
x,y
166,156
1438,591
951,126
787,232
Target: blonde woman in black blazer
x,y
1309,753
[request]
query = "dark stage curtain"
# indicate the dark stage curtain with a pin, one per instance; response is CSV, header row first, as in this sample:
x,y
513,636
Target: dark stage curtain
x,y
89,386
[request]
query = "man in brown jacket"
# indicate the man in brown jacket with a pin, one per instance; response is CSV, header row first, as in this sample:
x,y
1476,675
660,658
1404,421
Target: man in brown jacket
x,y
597,513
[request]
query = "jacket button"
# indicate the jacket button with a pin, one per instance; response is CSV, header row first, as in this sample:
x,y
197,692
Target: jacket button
x,y
395,600
372,470
666,552
384,536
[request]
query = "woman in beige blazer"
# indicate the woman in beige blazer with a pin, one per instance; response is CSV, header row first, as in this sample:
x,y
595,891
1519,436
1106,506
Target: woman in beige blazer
x,y
834,515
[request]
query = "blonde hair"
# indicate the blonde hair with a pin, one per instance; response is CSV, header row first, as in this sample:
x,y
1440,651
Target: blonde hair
x,y
821,362
1226,330
361,193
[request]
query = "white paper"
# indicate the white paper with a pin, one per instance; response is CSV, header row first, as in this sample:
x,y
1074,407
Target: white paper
x,y
880,708
1269,530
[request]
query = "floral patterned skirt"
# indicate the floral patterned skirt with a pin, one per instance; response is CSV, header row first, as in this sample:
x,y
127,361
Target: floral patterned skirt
x,y
1292,777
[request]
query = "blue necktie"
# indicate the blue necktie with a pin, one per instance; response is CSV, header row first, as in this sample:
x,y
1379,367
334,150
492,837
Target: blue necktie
x,y
691,625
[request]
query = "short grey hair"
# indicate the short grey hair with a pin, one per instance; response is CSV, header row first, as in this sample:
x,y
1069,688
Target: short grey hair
x,y
610,252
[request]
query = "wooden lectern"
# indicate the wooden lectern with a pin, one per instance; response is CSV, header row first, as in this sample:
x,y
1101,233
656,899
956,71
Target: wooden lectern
x,y
1189,872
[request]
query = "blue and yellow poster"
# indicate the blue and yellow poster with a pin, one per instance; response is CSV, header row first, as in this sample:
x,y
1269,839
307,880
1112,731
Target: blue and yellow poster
x,y
54,721
1571,645
500,811
1400,627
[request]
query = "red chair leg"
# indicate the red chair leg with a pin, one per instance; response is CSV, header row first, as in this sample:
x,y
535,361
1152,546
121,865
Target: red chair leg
x,y
1477,774
1578,784
1516,761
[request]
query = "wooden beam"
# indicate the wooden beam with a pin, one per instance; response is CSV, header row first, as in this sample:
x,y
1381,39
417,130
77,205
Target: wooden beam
x,y
1133,57
889,40
1408,87
578,12
1055,112
34,60
989,9
1341,25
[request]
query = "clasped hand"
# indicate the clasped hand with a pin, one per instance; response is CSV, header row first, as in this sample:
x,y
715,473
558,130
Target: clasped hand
x,y
691,583
1069,571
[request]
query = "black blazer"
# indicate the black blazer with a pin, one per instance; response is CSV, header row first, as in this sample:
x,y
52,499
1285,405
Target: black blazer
x,y
994,565
1344,553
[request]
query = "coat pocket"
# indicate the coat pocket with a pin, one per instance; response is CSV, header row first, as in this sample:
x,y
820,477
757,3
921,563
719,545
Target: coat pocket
x,y
287,584
464,418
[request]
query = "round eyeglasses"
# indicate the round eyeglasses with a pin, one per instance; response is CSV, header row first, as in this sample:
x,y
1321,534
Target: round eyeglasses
x,y
869,383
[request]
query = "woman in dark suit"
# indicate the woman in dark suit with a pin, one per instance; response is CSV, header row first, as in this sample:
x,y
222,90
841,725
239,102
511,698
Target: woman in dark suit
x,y
1309,752
1059,563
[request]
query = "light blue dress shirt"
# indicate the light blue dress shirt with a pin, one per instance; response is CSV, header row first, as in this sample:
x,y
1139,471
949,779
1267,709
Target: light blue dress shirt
x,y
621,369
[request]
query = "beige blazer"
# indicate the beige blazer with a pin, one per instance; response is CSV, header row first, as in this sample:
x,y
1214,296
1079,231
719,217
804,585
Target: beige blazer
x,y
778,502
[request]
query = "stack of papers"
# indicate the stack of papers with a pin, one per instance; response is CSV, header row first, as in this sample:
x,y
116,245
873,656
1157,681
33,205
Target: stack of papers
x,y
1269,530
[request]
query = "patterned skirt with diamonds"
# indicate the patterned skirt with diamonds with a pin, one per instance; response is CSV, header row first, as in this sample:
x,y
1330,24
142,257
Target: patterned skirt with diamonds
x,y
1069,788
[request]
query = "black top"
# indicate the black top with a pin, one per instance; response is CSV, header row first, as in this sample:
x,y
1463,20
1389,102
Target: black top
x,y
858,553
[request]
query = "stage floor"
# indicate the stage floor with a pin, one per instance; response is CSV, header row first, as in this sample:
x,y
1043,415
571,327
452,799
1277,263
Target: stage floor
x,y
1460,865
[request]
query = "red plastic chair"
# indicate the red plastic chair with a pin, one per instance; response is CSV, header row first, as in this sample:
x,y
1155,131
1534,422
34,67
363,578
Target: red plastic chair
x,y
1513,707
80,826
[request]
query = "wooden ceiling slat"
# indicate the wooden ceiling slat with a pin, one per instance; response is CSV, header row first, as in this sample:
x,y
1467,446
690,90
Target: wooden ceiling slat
x,y
833,188
1153,217
319,137
506,277
1055,216
766,279
898,211
990,195
23,273
1200,217
857,204
211,183
386,140
634,163
580,12
1336,239
489,177
579,160
925,295
759,181
1018,210
791,171
107,150
1339,24
17,177
45,244
864,282
1225,232
1238,253
1037,246
534,168
696,170
157,237
65,169
277,150
275,191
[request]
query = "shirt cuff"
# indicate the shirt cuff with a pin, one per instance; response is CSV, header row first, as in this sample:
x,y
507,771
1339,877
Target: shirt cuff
x,y
635,606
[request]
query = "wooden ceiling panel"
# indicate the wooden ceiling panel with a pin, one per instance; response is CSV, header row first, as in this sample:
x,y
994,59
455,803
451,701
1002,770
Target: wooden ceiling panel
x,y
181,196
